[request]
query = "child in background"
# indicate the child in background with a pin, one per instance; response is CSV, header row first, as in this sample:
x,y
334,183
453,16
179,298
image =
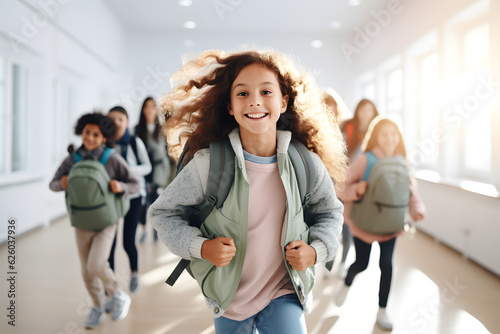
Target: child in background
x,y
354,131
132,149
335,104
384,139
149,131
241,255
94,246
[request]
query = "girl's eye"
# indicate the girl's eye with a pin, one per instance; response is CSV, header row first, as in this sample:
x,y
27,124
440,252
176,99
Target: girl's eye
x,y
242,94
266,92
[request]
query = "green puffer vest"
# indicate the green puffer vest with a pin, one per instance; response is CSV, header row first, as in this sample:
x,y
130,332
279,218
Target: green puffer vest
x,y
220,284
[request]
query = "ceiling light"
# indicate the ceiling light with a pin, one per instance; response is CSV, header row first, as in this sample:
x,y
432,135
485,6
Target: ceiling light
x,y
185,3
336,24
354,2
189,24
317,43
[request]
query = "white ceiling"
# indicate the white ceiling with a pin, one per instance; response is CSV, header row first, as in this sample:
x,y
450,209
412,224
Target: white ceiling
x,y
244,16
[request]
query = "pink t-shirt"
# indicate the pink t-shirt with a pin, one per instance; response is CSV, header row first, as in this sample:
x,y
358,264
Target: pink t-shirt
x,y
264,276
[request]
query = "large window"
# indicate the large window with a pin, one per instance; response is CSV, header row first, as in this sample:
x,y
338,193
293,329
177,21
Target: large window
x,y
428,115
19,110
64,102
394,93
477,132
3,117
14,122
366,88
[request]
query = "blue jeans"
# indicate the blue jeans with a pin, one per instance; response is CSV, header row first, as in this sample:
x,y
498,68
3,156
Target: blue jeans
x,y
283,315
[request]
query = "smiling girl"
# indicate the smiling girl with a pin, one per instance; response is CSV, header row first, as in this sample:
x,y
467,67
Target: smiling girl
x,y
260,102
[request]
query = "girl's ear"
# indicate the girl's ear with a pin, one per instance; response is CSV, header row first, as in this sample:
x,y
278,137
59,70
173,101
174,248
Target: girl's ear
x,y
229,109
284,103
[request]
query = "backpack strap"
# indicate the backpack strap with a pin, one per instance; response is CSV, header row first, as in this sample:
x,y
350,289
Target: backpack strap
x,y
220,179
78,157
103,159
371,161
106,154
305,170
179,268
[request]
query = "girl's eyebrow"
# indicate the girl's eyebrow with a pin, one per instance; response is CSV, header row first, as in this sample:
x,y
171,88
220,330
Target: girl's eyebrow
x,y
261,84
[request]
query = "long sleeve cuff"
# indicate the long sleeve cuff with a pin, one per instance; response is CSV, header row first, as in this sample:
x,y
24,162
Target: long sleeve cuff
x,y
321,251
195,247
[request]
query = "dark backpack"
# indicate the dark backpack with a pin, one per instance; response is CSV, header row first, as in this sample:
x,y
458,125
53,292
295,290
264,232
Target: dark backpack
x,y
383,207
90,202
220,180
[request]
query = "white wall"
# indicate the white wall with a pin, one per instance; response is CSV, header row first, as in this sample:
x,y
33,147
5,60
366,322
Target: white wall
x,y
79,53
463,220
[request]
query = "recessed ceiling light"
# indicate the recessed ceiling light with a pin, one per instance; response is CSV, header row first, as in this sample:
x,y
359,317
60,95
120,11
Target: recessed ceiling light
x,y
185,3
317,44
336,24
189,24
354,2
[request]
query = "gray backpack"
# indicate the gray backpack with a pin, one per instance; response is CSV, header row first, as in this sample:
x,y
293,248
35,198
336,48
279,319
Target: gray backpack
x,y
383,207
90,202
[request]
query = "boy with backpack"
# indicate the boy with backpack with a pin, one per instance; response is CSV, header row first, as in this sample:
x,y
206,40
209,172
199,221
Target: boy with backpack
x,y
97,182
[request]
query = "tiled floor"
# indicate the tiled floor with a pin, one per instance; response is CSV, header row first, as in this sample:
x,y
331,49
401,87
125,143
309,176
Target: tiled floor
x,y
434,290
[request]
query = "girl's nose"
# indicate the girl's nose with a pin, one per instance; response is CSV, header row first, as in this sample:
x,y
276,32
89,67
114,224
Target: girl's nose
x,y
255,102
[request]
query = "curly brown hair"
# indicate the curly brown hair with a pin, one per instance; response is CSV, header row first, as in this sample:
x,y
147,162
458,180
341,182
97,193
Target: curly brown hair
x,y
198,106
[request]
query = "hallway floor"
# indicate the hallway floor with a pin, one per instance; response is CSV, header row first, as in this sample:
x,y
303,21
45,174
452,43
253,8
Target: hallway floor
x,y
434,290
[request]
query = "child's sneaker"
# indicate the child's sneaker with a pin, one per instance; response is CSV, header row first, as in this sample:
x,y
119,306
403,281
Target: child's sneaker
x,y
383,320
107,305
134,282
95,317
341,294
120,303
341,270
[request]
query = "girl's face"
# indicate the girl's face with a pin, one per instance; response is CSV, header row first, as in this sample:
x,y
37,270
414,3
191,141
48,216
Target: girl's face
x,y
92,137
365,115
121,122
257,101
388,139
150,111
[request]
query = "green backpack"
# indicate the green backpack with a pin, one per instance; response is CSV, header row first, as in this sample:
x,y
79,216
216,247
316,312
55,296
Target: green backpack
x,y
383,207
220,180
90,202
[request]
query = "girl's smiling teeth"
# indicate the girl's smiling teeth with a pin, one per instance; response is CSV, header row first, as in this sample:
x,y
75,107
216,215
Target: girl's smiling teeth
x,y
256,115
